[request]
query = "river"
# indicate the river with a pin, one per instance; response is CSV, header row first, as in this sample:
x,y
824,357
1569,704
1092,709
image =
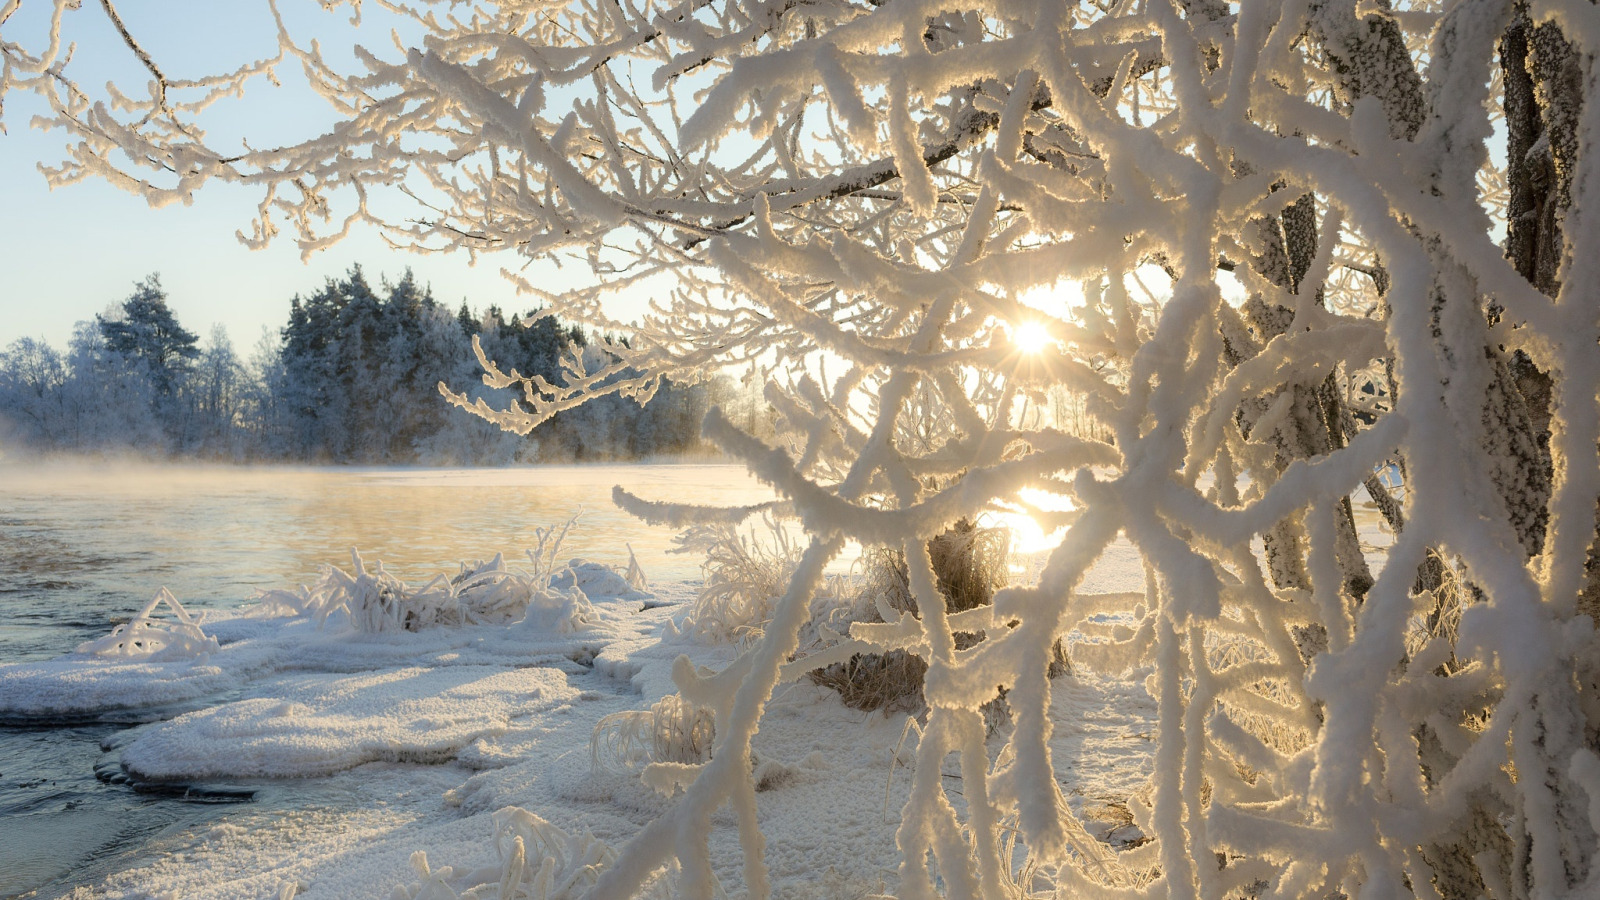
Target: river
x,y
85,544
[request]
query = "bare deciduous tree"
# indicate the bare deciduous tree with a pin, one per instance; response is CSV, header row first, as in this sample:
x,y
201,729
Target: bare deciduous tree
x,y
868,197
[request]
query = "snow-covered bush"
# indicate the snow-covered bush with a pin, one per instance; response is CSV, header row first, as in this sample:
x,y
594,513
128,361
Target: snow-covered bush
x,y
745,572
145,637
376,601
547,596
672,730
537,861
1217,221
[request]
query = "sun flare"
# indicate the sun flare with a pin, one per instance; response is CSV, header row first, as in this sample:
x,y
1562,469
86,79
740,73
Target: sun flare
x,y
1028,535
1031,337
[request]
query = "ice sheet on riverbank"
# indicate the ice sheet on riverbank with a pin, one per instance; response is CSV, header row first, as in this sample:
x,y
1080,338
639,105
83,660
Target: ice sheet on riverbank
x,y
439,729
501,716
314,725
833,782
489,614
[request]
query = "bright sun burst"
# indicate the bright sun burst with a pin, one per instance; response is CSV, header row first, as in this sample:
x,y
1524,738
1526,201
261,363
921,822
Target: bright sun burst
x,y
1028,536
1031,337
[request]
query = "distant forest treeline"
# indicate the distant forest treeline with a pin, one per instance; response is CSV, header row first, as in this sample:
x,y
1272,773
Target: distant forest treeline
x,y
350,379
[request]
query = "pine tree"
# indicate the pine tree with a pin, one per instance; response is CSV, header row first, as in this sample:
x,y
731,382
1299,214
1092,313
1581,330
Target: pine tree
x,y
147,331
306,386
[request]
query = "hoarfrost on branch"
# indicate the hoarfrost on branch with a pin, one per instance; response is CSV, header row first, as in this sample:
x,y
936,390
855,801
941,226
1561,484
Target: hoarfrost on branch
x,y
867,198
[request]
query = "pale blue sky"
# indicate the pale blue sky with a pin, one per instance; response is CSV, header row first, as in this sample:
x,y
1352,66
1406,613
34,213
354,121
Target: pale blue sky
x,y
66,254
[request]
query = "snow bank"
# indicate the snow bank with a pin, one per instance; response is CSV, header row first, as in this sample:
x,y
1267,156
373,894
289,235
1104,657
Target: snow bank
x,y
312,725
73,688
458,742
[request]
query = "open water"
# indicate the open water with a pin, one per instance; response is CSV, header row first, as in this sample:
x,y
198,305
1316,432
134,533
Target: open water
x,y
85,545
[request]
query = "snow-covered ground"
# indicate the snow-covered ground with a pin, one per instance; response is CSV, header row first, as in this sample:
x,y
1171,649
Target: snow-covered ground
x,y
427,734
432,739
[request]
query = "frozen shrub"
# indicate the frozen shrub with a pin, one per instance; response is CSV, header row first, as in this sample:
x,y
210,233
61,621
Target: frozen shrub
x,y
969,563
537,861
680,732
745,572
891,681
145,637
672,730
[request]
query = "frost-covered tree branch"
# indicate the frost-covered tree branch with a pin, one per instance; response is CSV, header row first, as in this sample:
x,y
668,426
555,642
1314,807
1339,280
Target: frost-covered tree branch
x,y
870,200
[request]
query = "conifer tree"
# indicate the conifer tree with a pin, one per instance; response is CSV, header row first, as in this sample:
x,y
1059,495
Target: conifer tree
x,y
146,330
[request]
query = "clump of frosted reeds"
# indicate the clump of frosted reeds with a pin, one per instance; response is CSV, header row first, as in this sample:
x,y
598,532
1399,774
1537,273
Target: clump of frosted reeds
x,y
535,861
889,681
481,593
672,730
745,572
146,637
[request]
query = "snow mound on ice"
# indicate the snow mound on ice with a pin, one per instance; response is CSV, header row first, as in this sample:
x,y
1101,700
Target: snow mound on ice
x,y
313,725
595,580
558,612
71,687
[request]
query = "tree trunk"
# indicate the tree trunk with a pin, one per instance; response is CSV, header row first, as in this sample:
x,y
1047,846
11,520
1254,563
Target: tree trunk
x,y
1368,58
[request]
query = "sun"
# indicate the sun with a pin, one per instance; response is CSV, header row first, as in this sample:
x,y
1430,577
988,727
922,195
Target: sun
x,y
1028,535
1031,337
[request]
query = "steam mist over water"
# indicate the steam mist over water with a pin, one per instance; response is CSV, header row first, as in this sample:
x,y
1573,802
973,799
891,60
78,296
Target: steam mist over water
x,y
84,544
92,540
